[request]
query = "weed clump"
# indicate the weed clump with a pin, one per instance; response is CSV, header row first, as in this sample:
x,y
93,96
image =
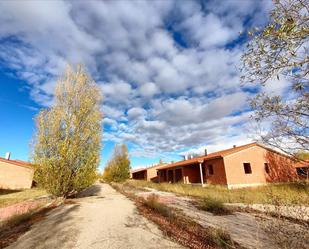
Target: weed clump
x,y
152,202
214,206
220,238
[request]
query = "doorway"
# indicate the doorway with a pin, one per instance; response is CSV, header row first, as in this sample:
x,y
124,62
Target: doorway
x,y
178,175
170,176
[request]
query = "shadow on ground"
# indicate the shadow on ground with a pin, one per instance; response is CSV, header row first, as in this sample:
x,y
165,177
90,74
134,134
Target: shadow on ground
x,y
59,225
94,190
8,191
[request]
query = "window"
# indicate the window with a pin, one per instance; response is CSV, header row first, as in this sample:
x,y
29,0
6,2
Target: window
x,y
210,170
266,167
303,171
247,168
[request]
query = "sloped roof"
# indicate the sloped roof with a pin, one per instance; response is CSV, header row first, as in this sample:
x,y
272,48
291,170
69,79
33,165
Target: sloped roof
x,y
302,164
17,162
210,156
158,166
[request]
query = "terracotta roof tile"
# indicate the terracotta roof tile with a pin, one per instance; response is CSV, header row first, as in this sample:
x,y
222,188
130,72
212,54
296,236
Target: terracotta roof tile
x,y
17,162
158,166
213,155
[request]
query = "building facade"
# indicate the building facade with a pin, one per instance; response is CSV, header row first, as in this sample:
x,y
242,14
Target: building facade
x,y
147,174
243,166
15,174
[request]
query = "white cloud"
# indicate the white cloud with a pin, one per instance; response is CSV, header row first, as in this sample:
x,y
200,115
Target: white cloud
x,y
136,112
208,30
117,92
277,86
148,89
158,93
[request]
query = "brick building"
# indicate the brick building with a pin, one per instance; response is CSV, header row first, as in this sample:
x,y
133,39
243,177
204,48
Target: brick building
x,y
15,174
243,166
147,174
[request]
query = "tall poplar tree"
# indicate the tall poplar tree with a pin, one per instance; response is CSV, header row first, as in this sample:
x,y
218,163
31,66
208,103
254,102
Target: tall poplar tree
x,y
118,168
68,135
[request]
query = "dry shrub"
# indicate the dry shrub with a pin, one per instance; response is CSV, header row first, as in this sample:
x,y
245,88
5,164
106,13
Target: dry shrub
x,y
152,202
220,238
175,224
214,206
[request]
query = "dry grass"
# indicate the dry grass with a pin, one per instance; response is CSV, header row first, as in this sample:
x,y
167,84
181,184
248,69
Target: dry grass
x,y
175,224
214,206
290,193
12,229
153,203
8,197
19,218
214,237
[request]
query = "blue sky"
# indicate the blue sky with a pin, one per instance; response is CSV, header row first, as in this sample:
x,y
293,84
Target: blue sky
x,y
168,71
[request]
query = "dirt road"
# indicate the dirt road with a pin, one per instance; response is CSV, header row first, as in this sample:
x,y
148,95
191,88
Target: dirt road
x,y
100,218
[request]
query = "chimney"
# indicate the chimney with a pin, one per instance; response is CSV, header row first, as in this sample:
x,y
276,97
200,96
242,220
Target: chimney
x,y
7,155
234,146
205,152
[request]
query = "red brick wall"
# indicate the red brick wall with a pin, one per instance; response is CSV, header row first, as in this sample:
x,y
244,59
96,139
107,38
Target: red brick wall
x,y
281,168
218,176
140,175
191,174
257,156
162,175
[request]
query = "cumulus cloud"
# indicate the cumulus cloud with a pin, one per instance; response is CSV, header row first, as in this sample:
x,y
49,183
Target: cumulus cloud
x,y
117,91
167,71
148,89
136,112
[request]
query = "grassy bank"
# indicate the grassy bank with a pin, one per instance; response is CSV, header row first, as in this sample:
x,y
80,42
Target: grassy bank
x,y
12,229
9,197
291,193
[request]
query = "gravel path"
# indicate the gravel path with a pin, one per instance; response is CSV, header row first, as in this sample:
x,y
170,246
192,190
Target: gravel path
x,y
100,218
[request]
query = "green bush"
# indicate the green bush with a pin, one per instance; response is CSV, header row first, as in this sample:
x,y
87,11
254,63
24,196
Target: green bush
x,y
118,168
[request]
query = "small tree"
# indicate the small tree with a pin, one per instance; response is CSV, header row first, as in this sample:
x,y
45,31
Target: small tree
x,y
118,168
281,51
68,135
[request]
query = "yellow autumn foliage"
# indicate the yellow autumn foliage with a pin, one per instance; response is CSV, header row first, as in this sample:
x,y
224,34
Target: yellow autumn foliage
x,y
68,135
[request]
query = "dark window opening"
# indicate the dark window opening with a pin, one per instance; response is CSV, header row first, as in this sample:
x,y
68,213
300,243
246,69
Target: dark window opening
x,y
203,171
210,170
247,168
303,171
266,167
